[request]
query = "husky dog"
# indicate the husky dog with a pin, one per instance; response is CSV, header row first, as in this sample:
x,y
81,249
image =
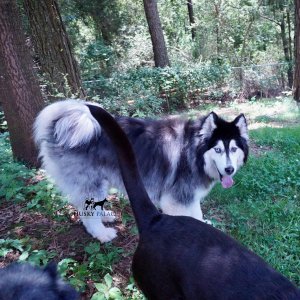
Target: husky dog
x,y
26,282
181,258
180,160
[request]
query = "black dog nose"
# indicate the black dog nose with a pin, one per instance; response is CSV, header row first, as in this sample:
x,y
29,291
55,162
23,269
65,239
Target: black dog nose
x,y
229,170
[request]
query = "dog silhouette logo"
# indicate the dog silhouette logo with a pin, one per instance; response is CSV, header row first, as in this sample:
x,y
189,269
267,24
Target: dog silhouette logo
x,y
91,204
100,203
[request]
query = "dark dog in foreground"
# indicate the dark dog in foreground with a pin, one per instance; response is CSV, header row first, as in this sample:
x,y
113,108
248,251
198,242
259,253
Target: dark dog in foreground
x,y
26,282
179,257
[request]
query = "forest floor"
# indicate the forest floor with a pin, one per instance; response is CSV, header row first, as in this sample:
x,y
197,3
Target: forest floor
x,y
262,210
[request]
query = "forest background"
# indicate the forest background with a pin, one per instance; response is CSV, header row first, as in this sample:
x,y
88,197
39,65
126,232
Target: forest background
x,y
145,59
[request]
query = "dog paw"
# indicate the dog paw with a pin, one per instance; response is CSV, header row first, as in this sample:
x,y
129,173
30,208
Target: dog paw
x,y
106,235
108,217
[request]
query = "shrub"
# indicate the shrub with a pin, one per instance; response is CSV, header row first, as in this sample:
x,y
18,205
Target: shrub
x,y
148,91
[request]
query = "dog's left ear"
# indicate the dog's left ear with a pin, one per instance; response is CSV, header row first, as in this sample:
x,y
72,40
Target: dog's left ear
x,y
241,123
208,125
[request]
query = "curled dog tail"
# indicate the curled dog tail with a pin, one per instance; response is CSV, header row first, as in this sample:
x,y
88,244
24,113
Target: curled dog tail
x,y
143,209
68,124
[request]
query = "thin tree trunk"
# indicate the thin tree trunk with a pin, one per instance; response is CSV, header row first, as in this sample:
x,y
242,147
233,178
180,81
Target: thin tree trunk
x,y
53,47
285,45
19,90
191,18
247,33
217,16
161,58
297,53
290,34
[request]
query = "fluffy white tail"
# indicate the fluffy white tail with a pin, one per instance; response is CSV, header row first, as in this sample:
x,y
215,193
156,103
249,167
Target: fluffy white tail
x,y
66,123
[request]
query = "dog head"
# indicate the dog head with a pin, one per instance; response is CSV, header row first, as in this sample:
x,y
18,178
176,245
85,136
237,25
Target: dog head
x,y
225,147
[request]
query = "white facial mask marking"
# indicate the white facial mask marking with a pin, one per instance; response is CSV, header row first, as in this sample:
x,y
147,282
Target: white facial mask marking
x,y
217,157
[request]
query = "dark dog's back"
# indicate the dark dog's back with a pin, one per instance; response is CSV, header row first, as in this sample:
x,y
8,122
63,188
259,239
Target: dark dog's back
x,y
201,262
182,258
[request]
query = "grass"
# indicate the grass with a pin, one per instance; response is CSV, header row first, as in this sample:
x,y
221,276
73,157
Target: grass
x,y
262,210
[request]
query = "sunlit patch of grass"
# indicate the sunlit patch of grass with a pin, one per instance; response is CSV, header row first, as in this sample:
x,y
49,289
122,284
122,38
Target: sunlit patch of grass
x,y
278,112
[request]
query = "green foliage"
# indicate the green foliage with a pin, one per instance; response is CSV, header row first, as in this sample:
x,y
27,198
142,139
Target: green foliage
x,y
106,290
15,185
102,261
96,58
147,91
8,245
13,175
25,251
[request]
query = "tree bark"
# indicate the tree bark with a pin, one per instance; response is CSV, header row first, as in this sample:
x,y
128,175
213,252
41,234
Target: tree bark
x,y
20,94
297,53
285,44
161,58
191,18
53,47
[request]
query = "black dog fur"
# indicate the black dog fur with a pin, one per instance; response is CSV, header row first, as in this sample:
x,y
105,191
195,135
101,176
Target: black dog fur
x,y
100,203
182,258
26,282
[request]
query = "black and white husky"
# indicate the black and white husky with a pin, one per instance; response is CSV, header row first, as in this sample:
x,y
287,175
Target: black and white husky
x,y
184,158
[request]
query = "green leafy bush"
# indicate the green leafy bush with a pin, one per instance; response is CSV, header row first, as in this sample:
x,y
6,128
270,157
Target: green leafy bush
x,y
148,91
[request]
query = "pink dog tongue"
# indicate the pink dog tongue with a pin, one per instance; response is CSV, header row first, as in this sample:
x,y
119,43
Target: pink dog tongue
x,y
227,182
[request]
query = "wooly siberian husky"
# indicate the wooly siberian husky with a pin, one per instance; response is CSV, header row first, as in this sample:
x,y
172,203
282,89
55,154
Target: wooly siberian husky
x,y
179,160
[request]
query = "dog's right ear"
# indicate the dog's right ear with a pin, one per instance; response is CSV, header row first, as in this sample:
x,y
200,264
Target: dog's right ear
x,y
208,126
51,270
241,123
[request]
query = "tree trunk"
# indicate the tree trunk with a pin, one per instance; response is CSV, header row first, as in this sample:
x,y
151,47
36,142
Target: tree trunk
x,y
20,94
297,53
53,47
290,34
191,18
157,37
285,44
217,7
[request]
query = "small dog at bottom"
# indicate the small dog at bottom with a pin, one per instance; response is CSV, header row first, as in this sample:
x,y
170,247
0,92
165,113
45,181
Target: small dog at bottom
x,y
181,258
26,282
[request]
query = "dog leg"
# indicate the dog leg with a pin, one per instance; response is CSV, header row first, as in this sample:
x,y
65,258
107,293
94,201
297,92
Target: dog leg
x,y
93,222
108,216
95,227
171,207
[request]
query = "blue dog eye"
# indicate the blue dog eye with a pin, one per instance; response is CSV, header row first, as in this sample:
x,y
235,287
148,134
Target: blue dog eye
x,y
218,150
233,149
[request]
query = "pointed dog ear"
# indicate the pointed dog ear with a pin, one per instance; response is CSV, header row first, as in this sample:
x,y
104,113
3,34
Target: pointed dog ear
x,y
208,125
241,123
